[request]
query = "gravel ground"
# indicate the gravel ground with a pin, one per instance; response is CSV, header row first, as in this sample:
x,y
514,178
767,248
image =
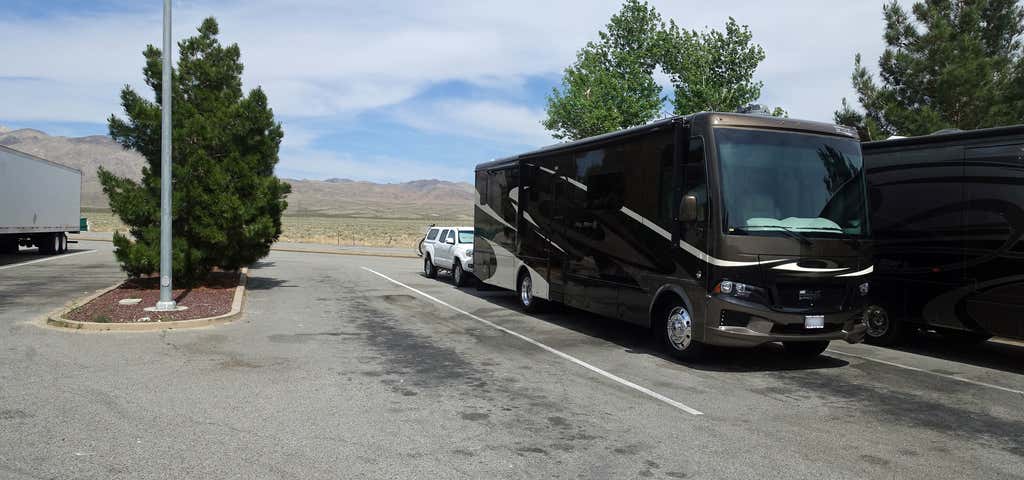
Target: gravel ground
x,y
213,297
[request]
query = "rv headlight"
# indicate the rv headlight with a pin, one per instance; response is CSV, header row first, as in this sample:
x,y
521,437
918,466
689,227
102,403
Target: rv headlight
x,y
737,289
864,288
725,287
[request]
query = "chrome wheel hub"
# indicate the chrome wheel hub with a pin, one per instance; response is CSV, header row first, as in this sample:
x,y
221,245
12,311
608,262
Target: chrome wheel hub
x,y
526,291
877,320
679,328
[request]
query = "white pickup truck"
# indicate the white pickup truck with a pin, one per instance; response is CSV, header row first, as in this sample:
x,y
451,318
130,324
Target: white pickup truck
x,y
448,248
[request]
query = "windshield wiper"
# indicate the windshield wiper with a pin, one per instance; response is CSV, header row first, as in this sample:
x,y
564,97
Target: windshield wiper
x,y
784,229
855,243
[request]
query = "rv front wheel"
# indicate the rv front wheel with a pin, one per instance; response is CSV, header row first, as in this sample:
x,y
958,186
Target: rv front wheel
x,y
675,329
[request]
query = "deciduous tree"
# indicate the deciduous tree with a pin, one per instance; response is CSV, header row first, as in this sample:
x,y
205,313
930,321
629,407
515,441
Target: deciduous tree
x,y
712,70
611,85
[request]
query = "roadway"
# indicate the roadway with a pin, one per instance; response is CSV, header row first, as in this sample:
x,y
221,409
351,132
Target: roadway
x,y
358,366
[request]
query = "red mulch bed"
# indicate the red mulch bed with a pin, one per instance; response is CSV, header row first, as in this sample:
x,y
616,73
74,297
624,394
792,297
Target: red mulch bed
x,y
211,298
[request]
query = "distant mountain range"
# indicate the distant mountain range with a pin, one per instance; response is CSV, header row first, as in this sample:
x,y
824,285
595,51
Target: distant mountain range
x,y
336,197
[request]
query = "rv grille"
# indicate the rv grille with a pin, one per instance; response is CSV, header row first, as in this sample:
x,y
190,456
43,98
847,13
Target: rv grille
x,y
817,297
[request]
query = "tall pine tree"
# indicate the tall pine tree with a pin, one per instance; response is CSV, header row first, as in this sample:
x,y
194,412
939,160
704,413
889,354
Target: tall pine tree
x,y
227,203
955,64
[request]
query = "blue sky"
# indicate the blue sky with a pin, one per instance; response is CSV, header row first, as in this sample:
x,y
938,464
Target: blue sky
x,y
396,90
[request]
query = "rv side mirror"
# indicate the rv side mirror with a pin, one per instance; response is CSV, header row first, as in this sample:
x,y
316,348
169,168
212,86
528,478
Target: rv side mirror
x,y
688,209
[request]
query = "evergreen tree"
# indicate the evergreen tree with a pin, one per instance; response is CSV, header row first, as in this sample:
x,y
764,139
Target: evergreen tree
x,y
956,64
867,128
227,203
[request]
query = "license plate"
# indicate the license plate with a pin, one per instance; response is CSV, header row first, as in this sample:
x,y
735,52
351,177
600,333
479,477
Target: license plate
x,y
814,321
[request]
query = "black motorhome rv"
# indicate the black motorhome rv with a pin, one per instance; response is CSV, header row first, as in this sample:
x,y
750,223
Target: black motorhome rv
x,y
714,228
947,214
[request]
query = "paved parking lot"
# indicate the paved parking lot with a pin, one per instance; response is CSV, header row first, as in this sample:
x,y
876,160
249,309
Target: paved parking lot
x,y
353,366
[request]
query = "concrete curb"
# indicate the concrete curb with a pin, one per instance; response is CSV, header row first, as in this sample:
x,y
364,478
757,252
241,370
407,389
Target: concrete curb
x,y
356,253
56,318
342,252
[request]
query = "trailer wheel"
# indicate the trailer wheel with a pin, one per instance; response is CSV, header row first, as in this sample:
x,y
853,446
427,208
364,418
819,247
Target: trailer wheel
x,y
8,245
63,242
48,244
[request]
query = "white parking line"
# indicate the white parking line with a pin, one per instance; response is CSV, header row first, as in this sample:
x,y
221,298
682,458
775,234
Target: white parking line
x,y
915,369
566,356
55,257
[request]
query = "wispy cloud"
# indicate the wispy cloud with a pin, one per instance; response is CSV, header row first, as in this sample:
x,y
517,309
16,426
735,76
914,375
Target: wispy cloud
x,y
310,163
328,65
497,121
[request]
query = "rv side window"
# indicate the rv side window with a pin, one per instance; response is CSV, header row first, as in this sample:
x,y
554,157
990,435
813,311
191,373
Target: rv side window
x,y
666,199
432,234
694,178
600,172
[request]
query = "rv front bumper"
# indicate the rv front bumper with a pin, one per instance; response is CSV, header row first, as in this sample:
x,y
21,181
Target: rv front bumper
x,y
733,323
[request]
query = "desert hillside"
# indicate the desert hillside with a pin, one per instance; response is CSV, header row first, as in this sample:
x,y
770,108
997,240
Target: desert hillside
x,y
415,200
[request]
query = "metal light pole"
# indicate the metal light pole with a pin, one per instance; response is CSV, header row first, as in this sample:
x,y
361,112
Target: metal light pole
x,y
166,301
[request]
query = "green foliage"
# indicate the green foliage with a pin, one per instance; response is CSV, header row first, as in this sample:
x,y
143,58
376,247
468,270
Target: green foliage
x,y
712,70
227,203
866,127
956,64
611,84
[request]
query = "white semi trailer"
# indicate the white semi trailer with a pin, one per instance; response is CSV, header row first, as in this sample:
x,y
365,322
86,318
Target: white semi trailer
x,y
40,202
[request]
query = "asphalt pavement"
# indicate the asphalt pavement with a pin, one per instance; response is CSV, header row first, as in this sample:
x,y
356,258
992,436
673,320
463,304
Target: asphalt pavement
x,y
359,367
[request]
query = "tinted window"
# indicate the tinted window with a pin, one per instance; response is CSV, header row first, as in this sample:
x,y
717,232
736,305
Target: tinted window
x,y
641,161
694,178
601,171
451,236
444,234
917,193
432,234
775,181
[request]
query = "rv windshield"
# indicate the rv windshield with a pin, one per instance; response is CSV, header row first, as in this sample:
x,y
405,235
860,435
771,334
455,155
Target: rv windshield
x,y
784,183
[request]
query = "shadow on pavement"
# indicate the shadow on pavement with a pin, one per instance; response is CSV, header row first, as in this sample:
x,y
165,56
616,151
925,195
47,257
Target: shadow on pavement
x,y
265,283
991,354
257,282
30,254
638,340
